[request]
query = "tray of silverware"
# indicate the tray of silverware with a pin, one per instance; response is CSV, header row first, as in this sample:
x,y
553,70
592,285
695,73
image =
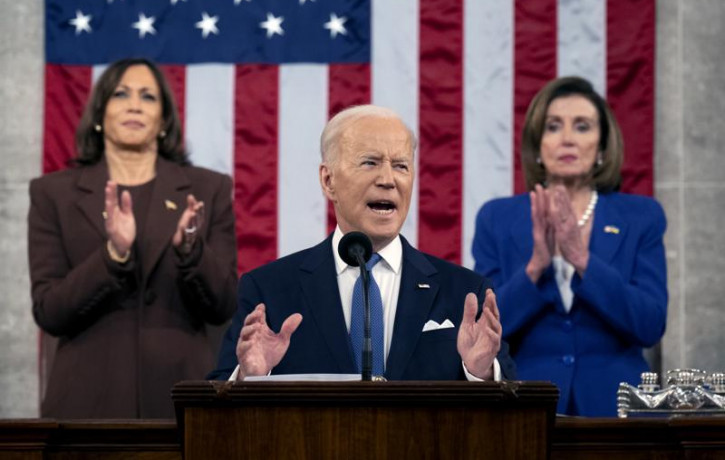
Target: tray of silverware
x,y
684,392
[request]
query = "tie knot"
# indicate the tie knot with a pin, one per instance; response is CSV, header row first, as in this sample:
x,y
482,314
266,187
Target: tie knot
x,y
375,258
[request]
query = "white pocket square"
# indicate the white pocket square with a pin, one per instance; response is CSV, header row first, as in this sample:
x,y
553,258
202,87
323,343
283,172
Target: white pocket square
x,y
432,325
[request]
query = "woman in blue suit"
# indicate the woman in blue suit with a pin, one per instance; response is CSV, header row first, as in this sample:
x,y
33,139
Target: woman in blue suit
x,y
579,268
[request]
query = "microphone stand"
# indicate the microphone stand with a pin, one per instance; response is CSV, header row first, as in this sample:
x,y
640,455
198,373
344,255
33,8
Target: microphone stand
x,y
367,348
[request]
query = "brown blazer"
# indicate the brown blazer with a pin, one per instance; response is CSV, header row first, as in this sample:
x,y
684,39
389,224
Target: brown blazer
x,y
124,338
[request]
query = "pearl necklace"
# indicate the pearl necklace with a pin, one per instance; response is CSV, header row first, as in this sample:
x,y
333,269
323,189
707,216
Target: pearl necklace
x,y
590,209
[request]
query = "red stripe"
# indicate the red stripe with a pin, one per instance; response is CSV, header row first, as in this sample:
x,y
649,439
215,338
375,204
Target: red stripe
x,y
630,86
255,164
66,91
176,76
441,128
535,37
349,84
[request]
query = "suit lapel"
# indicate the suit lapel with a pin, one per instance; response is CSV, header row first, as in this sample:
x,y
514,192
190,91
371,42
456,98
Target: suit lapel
x,y
414,304
520,232
92,182
608,230
319,286
171,186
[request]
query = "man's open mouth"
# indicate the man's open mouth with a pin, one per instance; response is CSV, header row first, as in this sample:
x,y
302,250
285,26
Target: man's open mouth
x,y
382,207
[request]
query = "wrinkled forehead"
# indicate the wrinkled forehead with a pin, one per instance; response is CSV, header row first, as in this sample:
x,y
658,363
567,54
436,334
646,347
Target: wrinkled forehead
x,y
377,135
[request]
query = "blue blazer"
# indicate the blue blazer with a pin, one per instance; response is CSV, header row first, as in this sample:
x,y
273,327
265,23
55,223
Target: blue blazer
x,y
619,307
306,283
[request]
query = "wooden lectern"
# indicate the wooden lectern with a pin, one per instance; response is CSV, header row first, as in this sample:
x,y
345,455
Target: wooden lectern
x,y
365,420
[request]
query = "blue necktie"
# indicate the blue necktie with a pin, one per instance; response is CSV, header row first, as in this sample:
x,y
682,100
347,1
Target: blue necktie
x,y
357,322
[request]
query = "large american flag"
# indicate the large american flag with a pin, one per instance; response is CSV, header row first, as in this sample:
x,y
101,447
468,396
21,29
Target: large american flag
x,y
256,80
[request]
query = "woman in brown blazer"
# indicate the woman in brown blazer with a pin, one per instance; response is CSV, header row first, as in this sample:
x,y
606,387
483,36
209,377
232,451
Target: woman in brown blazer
x,y
132,253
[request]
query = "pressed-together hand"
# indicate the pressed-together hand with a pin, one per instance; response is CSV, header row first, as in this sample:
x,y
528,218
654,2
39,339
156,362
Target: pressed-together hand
x,y
258,348
543,234
554,225
567,233
479,341
120,223
189,225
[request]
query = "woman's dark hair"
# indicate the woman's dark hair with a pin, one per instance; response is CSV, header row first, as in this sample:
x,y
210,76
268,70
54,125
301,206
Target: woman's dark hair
x,y
89,142
607,176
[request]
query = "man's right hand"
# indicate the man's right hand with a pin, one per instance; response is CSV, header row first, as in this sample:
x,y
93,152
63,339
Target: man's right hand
x,y
258,348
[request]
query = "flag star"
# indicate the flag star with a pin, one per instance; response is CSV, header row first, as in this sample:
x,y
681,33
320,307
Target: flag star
x,y
174,2
207,25
82,22
302,2
336,25
273,25
237,2
144,25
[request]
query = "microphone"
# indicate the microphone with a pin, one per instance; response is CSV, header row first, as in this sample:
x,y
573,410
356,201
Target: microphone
x,y
355,249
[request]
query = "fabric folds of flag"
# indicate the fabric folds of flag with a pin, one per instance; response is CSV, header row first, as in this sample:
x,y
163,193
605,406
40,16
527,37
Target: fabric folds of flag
x,y
256,80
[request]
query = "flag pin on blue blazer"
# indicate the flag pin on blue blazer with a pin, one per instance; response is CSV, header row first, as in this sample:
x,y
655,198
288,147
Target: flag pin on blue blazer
x,y
170,205
611,229
423,286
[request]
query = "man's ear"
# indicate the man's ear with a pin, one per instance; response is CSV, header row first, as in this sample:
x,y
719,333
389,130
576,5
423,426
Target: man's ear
x,y
326,182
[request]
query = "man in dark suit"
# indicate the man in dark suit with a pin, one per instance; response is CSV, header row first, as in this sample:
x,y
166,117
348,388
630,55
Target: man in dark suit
x,y
435,325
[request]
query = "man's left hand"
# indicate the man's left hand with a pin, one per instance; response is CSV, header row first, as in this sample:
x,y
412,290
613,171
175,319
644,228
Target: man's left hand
x,y
480,340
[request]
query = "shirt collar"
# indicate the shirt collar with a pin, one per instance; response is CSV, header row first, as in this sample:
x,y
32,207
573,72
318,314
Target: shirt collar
x,y
392,254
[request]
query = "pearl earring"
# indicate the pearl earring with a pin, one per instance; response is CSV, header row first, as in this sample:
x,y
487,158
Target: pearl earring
x,y
98,128
162,134
538,160
599,159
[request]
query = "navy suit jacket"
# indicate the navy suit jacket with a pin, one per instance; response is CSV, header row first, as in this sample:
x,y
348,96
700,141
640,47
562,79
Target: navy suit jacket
x,y
619,306
306,283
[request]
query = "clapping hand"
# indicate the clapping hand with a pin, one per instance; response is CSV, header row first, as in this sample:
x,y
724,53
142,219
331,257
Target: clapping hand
x,y
119,220
568,235
543,233
189,225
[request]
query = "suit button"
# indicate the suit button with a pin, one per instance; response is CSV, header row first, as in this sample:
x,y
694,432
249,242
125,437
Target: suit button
x,y
568,360
149,296
567,325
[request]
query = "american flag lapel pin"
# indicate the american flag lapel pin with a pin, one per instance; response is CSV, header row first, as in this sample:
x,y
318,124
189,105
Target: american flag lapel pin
x,y
611,229
170,205
423,286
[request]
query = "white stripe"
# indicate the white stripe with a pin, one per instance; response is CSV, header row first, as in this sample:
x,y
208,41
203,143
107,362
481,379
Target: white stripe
x,y
488,110
97,71
394,75
209,113
302,208
582,41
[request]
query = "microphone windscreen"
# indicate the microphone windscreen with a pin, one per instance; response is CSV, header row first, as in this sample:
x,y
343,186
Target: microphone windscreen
x,y
355,243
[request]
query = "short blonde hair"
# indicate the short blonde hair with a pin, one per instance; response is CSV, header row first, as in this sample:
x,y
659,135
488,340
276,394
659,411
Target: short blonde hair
x,y
329,140
607,176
